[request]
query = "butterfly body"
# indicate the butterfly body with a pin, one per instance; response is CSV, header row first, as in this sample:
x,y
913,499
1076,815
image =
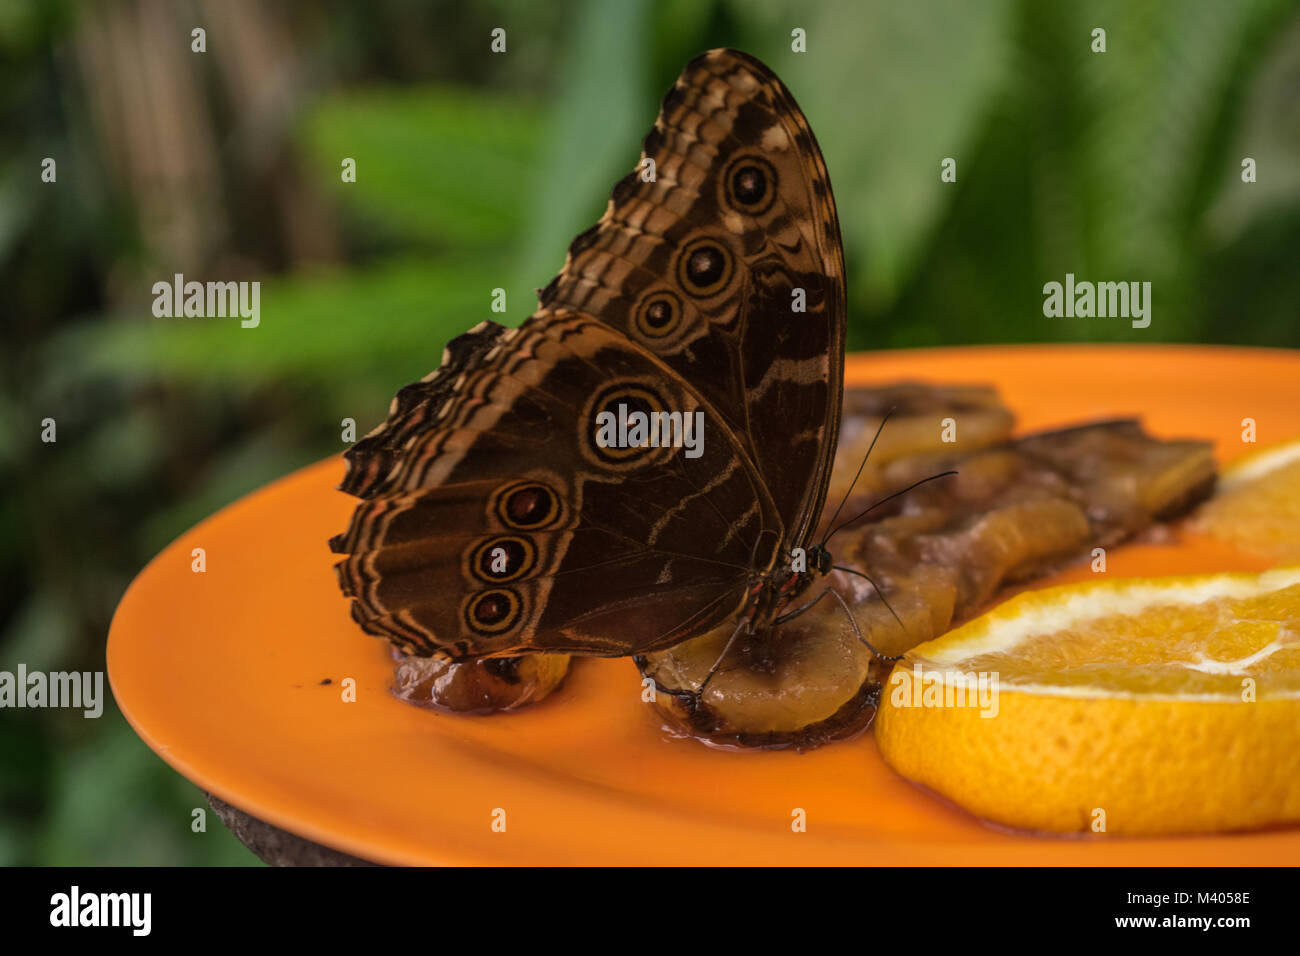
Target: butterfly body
x,y
494,519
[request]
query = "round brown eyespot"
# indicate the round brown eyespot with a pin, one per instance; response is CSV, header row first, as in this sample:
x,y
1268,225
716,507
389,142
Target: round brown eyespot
x,y
491,612
659,315
749,185
619,402
704,267
492,609
527,505
503,559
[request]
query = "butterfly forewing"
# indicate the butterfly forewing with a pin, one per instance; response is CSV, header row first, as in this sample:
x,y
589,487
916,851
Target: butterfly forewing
x,y
728,266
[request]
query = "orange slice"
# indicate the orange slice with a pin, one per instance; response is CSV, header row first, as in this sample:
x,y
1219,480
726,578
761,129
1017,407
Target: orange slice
x,y
1257,507
1148,706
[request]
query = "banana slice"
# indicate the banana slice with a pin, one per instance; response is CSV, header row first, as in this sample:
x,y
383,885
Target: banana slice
x,y
479,687
800,685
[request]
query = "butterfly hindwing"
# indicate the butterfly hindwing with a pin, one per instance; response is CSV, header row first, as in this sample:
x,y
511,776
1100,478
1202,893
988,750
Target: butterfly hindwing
x,y
503,526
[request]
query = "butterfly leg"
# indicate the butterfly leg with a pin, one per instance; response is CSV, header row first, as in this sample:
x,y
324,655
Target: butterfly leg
x,y
856,630
699,693
852,620
800,610
875,587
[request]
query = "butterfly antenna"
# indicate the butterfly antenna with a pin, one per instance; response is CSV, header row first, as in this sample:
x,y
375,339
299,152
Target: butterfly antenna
x,y
896,494
844,500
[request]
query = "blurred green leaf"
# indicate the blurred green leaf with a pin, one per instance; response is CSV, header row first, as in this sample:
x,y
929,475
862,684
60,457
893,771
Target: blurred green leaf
x,y
1268,132
451,165
594,133
890,90
1099,164
254,461
387,324
122,780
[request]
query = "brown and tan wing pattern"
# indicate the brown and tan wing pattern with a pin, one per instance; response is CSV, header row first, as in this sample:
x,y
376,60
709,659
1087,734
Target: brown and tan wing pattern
x,y
496,524
700,266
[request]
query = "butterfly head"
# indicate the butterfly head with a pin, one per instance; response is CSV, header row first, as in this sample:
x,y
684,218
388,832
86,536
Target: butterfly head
x,y
820,559
787,582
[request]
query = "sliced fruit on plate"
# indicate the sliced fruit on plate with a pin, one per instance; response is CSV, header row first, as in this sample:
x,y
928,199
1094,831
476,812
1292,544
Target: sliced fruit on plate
x,y
939,556
1257,507
798,685
1012,512
479,687
1147,706
918,414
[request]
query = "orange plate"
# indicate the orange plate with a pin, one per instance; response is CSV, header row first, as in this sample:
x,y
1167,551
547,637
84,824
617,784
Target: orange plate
x,y
221,673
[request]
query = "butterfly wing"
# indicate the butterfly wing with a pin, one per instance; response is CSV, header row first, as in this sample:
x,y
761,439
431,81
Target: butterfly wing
x,y
714,288
728,266
496,524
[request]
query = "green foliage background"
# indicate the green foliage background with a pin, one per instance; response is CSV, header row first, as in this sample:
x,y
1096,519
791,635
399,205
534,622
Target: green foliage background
x,y
474,172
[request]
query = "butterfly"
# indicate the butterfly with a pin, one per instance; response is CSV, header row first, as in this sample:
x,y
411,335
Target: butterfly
x,y
494,519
